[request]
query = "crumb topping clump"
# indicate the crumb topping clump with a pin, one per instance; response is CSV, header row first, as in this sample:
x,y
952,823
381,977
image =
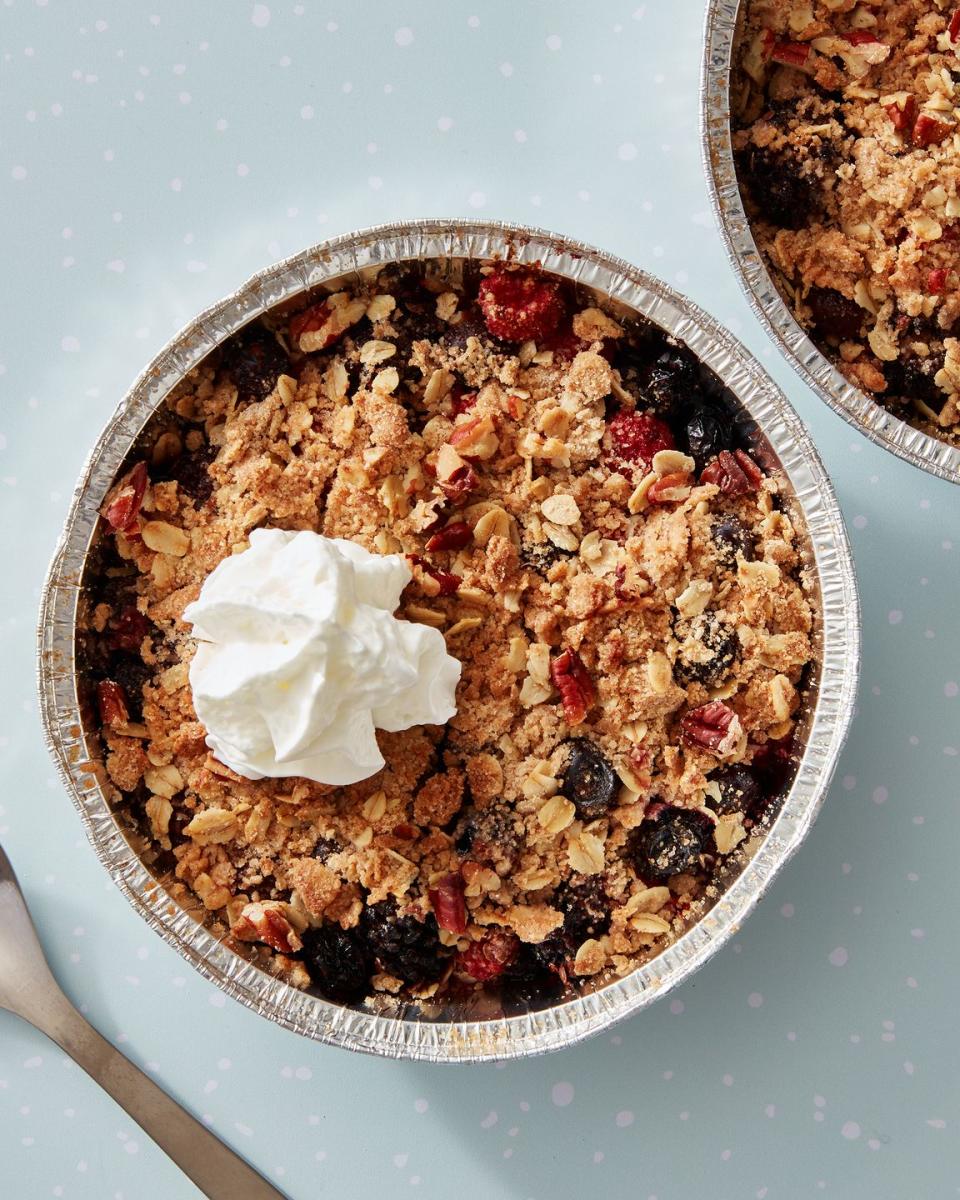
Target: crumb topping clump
x,y
609,558
847,141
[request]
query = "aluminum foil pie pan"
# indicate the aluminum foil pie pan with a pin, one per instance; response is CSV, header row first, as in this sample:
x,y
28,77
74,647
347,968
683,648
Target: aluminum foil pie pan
x,y
452,1035
872,419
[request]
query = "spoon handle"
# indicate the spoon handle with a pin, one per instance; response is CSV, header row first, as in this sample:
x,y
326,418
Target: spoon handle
x,y
217,1171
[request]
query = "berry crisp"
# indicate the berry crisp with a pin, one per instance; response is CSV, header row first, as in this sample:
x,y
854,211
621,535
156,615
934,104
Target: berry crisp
x,y
604,544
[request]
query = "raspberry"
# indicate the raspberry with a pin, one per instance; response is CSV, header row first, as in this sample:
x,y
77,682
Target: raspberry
x,y
635,438
520,305
489,958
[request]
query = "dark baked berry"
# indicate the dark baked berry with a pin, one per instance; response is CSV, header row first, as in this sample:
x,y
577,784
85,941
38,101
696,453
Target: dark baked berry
x,y
192,473
541,556
588,780
633,438
913,379
586,914
127,629
519,305
782,187
669,844
338,962
487,836
404,947
326,848
773,765
833,315
255,361
707,649
731,537
707,433
530,980
673,381
739,790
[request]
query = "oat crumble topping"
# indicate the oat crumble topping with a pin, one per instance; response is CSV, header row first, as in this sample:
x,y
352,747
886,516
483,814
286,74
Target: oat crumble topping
x,y
608,557
847,145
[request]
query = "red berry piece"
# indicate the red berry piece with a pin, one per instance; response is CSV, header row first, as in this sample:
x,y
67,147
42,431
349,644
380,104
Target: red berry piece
x,y
448,904
520,305
572,680
954,27
310,320
128,630
454,536
937,282
123,504
635,438
489,958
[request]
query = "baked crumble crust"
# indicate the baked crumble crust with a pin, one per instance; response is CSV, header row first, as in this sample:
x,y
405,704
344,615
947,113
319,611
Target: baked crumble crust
x,y
618,575
847,145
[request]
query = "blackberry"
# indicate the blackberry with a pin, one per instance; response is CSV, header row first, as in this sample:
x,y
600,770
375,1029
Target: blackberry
x,y
731,537
913,379
255,360
586,914
780,188
337,962
739,791
588,780
708,648
403,946
669,844
707,433
833,315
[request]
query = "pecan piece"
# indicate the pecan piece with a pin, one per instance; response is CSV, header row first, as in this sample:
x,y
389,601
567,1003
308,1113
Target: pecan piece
x,y
734,474
122,506
444,583
265,921
112,703
573,682
448,904
714,727
675,486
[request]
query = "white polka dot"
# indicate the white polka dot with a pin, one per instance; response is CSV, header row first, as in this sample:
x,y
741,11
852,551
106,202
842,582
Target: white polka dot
x,y
506,69
677,1007
849,782
403,36
755,1000
554,41
838,957
880,795
303,1073
950,689
624,1118
473,22
860,521
850,1130
787,910
489,1120
421,1105
562,1094
217,1000
895,616
306,112
477,199
444,124
70,344
243,170
375,183
519,136
626,152
18,173
260,16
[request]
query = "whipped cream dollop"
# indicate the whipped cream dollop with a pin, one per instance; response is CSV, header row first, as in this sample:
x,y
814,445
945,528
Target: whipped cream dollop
x,y
300,659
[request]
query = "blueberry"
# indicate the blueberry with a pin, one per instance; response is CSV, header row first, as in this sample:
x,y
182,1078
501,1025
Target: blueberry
x,y
707,650
731,537
326,848
739,791
541,556
487,836
192,473
669,844
708,432
337,962
404,947
672,381
833,315
586,914
589,780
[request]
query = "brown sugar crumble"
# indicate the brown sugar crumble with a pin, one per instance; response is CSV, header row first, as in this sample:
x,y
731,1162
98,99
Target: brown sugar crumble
x,y
594,532
847,145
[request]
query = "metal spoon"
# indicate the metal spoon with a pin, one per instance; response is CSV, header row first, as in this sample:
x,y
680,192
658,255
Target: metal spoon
x,y
29,990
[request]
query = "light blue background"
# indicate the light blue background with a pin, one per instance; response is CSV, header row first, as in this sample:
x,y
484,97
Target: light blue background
x,y
148,164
